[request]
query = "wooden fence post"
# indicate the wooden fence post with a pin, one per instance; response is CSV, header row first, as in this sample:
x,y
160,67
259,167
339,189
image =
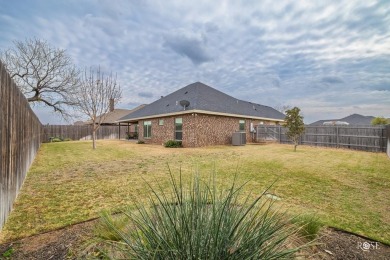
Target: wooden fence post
x,y
388,140
280,134
382,140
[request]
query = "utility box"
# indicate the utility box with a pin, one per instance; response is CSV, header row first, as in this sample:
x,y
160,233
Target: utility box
x,y
239,138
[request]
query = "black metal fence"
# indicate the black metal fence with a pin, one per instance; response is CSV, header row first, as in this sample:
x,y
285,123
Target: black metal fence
x,y
366,138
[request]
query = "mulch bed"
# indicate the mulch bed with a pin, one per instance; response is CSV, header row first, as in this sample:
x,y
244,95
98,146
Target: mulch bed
x,y
67,243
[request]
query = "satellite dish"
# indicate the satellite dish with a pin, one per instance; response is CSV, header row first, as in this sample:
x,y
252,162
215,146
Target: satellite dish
x,y
184,103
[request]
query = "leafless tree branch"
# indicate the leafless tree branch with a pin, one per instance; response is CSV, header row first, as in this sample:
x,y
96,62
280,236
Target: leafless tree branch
x,y
44,74
282,108
94,95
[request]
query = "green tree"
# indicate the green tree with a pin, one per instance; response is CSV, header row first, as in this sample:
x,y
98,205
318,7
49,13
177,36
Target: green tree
x,y
295,125
380,120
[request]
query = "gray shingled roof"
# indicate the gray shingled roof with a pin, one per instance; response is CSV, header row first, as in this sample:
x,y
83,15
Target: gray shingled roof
x,y
203,97
113,116
354,119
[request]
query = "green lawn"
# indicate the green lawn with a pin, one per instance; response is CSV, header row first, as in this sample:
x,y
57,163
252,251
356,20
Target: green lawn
x,y
70,183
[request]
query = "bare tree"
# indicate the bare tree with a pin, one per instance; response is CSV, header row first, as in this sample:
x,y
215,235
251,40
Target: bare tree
x,y
44,74
282,108
94,96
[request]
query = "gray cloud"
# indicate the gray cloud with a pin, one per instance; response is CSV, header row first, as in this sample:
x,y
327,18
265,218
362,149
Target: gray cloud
x,y
145,94
321,56
332,80
132,104
190,46
211,27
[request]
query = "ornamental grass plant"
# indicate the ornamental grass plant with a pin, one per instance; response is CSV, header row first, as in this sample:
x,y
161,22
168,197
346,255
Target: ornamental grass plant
x,y
196,220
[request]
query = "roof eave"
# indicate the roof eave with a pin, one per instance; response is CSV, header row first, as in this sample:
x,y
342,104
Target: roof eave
x,y
200,112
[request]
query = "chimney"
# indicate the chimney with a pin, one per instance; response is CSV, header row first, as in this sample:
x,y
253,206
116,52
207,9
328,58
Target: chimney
x,y
112,104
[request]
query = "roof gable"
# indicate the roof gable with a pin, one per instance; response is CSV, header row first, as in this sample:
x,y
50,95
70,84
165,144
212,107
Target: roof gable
x,y
354,119
113,116
204,98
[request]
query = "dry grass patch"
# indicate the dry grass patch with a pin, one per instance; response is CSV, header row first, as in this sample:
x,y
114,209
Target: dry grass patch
x,y
69,182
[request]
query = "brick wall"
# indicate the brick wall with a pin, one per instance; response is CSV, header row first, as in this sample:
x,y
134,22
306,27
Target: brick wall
x,y
198,129
211,130
160,133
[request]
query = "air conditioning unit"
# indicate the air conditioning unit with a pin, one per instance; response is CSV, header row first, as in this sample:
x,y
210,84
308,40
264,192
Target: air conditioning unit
x,y
239,138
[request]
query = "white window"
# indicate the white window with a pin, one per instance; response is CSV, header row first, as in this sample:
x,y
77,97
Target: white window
x,y
147,129
178,129
241,125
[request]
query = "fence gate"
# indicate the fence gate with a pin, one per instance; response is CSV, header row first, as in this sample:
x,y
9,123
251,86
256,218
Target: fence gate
x,y
268,133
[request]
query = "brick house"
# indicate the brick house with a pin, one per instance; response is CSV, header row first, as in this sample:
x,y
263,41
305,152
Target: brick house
x,y
199,115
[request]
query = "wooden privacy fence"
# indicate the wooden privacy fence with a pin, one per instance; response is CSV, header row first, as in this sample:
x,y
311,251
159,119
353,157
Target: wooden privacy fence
x,y
20,137
84,132
366,138
388,140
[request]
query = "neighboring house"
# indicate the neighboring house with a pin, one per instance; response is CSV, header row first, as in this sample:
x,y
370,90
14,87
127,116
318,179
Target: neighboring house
x,y
335,123
112,117
199,115
354,119
79,123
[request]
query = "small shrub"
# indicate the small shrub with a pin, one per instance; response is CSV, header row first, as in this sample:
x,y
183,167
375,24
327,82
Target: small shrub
x,y
198,221
140,142
56,139
380,121
173,144
8,253
59,139
119,220
309,226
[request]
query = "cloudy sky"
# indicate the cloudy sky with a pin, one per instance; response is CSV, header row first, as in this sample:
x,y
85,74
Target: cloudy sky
x,y
330,58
